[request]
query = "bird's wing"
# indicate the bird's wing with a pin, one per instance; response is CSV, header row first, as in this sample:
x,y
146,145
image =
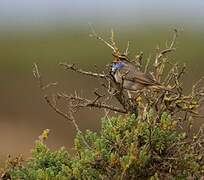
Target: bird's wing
x,y
143,78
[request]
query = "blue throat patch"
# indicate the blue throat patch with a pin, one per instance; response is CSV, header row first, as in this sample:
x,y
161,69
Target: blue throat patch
x,y
117,66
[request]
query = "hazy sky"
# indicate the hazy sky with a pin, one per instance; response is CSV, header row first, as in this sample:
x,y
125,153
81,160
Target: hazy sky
x,y
41,12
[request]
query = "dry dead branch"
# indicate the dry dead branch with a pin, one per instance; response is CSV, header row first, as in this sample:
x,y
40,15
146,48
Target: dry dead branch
x,y
169,74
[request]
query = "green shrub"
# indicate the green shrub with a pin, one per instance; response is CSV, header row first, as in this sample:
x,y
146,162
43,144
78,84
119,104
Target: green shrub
x,y
126,148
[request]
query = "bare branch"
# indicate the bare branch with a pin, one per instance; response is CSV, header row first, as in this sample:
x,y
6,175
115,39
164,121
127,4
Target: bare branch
x,y
165,51
68,116
138,59
58,111
112,38
79,102
38,77
174,38
127,48
147,64
94,34
88,73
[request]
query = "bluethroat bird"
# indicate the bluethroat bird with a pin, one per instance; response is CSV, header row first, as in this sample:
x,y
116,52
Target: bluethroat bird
x,y
126,74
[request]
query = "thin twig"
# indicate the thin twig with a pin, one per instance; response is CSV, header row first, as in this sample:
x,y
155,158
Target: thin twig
x,y
83,102
94,34
81,71
69,117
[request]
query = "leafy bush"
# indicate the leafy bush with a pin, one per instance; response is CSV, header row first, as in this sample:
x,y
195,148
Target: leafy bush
x,y
126,148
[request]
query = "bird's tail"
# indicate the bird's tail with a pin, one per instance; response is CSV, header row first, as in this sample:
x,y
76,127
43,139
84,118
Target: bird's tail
x,y
162,87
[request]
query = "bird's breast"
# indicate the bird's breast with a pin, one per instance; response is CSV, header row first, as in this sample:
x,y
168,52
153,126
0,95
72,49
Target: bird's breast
x,y
119,77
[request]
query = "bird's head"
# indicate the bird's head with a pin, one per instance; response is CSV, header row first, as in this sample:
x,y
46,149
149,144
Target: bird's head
x,y
120,57
117,66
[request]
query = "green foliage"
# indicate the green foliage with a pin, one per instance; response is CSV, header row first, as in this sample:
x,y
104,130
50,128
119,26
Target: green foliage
x,y
126,148
44,164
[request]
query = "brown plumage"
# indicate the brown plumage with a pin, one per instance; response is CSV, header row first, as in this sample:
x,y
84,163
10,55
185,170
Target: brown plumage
x,y
133,79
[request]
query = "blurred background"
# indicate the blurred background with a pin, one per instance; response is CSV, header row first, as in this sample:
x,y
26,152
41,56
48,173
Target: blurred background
x,y
53,31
